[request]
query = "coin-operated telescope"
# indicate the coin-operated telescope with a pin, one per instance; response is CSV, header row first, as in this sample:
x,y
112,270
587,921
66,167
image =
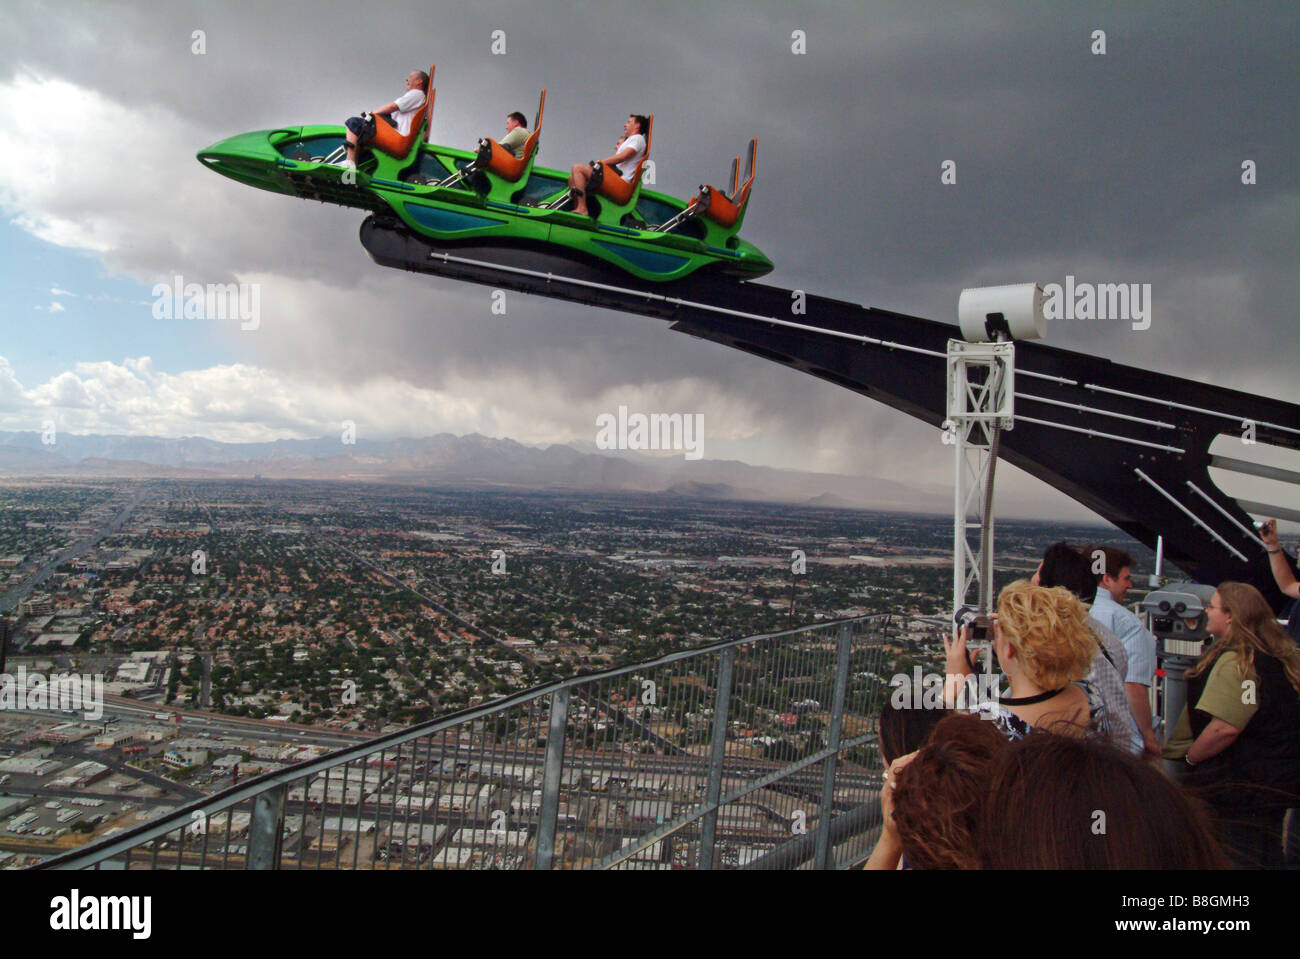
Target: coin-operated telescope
x,y
1178,620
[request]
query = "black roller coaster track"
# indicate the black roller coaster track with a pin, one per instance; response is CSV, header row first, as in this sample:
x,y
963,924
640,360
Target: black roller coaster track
x,y
1131,444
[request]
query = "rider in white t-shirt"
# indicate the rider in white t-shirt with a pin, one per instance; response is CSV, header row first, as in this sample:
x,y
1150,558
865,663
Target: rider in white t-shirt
x,y
635,143
408,105
400,113
630,149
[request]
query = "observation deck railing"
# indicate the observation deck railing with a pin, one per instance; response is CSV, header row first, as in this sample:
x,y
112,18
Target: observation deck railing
x,y
748,753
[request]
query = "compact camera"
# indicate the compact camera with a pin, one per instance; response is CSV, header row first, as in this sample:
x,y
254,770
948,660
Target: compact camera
x,y
978,622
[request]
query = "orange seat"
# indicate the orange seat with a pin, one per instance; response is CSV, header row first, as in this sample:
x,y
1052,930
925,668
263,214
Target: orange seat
x,y
617,189
393,143
504,163
724,210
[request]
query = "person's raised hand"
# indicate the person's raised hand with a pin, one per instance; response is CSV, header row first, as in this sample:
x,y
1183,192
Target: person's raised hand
x,y
887,790
957,659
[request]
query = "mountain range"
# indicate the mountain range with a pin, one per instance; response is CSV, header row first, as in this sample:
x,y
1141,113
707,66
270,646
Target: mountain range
x,y
447,460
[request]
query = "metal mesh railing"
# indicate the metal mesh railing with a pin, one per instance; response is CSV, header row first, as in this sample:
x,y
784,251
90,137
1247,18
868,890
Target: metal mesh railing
x,y
749,753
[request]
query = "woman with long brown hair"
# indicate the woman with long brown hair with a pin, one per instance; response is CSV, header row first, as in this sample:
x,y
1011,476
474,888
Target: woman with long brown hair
x,y
1240,733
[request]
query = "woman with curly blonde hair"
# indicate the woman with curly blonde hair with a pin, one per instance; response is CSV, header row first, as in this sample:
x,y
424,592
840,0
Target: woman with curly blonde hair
x,y
1240,732
1045,648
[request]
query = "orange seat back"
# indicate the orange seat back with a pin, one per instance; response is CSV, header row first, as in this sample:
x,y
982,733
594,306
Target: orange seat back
x,y
531,143
741,196
428,109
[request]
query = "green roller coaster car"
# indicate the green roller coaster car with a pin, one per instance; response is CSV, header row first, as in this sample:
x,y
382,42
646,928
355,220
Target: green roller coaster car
x,y
488,197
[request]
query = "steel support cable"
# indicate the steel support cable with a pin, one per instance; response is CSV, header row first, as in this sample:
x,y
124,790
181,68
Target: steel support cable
x,y
986,517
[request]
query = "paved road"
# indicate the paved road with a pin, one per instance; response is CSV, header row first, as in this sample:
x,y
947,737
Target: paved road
x,y
198,721
206,690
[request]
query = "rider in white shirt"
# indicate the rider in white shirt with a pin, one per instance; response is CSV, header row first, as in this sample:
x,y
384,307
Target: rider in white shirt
x,y
400,114
629,150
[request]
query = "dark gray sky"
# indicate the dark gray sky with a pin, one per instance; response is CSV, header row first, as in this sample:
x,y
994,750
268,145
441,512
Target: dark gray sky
x,y
1122,167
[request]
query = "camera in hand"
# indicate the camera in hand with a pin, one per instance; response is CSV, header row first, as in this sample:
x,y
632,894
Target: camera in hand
x,y
977,621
